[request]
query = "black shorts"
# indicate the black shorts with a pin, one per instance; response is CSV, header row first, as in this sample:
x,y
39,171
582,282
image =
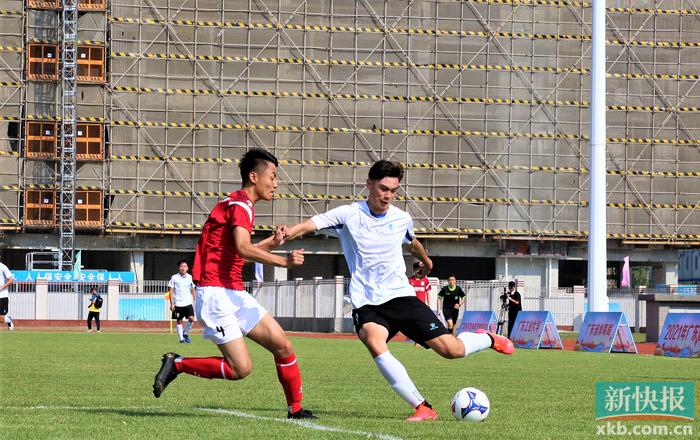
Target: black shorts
x,y
451,313
406,314
183,312
4,304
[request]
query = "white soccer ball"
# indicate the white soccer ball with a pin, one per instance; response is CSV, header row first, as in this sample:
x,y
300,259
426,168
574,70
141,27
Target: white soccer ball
x,y
470,405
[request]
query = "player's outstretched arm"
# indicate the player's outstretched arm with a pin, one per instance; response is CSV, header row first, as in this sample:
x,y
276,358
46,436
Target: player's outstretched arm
x,y
417,250
246,249
300,229
277,238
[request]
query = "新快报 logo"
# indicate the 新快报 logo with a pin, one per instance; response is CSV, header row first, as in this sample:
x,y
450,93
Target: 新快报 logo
x,y
644,400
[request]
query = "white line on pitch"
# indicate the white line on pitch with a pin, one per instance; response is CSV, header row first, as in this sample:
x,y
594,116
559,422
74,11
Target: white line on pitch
x,y
302,423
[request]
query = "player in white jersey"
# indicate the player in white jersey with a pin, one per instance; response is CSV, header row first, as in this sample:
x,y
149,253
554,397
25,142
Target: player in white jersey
x,y
371,235
182,294
6,279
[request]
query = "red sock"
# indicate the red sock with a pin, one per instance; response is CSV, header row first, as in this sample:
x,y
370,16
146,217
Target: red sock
x,y
290,378
209,367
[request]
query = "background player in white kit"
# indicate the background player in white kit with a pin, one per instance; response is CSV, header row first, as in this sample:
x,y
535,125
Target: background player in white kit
x,y
6,279
371,234
182,296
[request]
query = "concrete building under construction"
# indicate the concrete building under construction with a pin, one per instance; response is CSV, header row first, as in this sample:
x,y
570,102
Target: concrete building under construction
x,y
484,101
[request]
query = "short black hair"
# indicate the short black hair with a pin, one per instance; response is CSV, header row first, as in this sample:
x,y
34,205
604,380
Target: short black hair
x,y
252,161
93,289
511,284
384,168
183,261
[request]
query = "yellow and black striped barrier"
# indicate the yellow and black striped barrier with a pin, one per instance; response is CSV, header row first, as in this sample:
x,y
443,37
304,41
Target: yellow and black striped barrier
x,y
433,166
425,165
370,97
400,31
348,197
380,131
155,227
10,49
397,64
582,4
80,43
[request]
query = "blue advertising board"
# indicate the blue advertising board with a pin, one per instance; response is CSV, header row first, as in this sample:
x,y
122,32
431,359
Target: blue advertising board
x,y
84,276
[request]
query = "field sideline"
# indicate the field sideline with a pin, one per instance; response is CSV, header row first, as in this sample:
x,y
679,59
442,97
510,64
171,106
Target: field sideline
x,y
83,386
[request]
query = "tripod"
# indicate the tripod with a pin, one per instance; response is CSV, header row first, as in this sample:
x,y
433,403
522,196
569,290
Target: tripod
x,y
502,315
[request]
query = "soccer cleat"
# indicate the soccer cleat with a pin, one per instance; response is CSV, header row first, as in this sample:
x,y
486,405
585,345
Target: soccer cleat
x,y
182,341
166,374
187,339
423,412
11,325
301,414
89,330
500,343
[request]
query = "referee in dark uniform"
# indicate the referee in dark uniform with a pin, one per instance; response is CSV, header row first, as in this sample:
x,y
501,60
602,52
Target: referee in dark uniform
x,y
452,297
514,305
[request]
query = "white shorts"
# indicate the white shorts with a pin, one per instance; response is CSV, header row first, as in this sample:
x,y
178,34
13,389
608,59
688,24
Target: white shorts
x,y
227,314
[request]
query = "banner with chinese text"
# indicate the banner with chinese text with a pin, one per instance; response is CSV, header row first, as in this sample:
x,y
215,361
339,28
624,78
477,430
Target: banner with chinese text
x,y
605,332
680,336
535,330
474,320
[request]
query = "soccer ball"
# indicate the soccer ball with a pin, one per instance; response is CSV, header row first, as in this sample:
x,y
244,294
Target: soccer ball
x,y
471,405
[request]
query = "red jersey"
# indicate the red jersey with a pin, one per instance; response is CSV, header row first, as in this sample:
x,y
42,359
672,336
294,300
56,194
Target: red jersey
x,y
216,262
421,286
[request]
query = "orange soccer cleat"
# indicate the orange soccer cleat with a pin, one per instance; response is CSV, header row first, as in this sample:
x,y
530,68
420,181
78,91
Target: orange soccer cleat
x,y
500,343
423,412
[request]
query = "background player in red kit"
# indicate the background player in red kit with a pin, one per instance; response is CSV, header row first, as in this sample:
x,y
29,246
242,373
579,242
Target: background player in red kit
x,y
226,311
420,283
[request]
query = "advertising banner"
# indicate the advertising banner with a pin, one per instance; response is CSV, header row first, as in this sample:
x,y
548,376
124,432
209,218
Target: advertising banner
x,y
82,276
605,332
535,330
474,320
680,336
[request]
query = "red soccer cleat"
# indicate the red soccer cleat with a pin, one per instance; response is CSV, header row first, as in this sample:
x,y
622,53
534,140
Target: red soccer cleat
x,y
500,343
423,412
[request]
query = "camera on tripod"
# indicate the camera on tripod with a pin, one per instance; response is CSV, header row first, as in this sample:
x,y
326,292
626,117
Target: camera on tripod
x,y
504,299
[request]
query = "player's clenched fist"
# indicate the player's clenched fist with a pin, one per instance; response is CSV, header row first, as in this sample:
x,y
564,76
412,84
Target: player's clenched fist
x,y
296,258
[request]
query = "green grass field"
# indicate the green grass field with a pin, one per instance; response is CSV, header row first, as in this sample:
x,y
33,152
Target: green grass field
x,y
86,386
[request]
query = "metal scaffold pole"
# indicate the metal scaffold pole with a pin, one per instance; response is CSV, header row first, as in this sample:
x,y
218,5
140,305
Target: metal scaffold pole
x,y
69,47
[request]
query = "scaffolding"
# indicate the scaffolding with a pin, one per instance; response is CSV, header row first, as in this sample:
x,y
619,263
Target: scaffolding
x,y
484,101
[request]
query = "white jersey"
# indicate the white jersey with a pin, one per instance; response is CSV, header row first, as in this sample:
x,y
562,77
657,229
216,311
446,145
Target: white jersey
x,y
372,245
182,289
5,275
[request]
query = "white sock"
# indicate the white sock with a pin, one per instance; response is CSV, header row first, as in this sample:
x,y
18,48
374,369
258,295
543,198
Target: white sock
x,y
397,376
188,326
474,342
179,331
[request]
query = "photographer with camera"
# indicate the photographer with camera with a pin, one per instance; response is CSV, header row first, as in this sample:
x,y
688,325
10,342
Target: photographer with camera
x,y
511,299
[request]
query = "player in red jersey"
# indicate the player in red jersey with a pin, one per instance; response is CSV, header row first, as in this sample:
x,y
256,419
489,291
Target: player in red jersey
x,y
226,311
420,283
